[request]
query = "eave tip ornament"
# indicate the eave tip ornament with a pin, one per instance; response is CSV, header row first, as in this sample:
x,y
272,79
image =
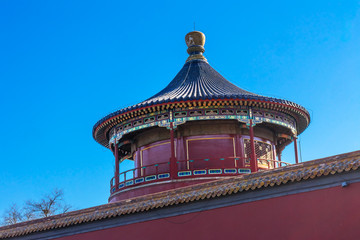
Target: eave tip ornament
x,y
195,41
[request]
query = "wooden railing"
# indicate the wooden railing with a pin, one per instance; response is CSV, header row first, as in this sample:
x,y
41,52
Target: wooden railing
x,y
189,168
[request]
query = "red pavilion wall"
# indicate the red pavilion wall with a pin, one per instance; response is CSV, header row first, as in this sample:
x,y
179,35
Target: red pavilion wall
x,y
198,148
331,213
205,151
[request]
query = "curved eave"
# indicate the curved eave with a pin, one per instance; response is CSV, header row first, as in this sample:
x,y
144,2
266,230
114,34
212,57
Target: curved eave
x,y
102,127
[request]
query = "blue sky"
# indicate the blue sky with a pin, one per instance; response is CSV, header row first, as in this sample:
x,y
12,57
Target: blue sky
x,y
66,64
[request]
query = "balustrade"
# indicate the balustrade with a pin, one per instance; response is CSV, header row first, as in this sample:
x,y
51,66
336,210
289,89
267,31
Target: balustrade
x,y
189,168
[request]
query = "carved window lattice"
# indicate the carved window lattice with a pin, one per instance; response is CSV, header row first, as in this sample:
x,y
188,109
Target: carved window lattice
x,y
263,152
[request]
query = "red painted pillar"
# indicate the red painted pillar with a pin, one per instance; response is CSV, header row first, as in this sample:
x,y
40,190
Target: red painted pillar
x,y
296,151
279,156
274,156
173,166
279,159
116,152
253,161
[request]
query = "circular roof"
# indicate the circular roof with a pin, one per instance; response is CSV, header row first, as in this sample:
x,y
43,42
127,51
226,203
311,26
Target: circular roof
x,y
197,80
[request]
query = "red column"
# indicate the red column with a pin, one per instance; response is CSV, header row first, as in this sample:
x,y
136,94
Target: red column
x,y
116,152
279,159
296,151
253,161
173,167
274,156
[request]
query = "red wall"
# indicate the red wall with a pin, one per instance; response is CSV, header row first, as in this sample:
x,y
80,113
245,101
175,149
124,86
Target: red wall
x,y
154,153
211,147
198,148
332,213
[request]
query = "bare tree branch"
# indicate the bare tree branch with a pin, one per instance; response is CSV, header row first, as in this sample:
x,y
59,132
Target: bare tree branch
x,y
49,205
12,215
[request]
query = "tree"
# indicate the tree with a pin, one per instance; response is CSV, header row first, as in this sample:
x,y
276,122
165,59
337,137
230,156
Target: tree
x,y
51,204
12,215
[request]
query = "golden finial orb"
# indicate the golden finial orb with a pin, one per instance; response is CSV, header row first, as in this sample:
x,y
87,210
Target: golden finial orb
x,y
195,38
195,41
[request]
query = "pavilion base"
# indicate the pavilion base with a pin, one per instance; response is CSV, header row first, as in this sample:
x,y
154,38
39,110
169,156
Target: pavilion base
x,y
157,187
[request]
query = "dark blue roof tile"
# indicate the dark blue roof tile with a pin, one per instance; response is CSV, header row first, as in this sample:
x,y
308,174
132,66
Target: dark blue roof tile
x,y
198,80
